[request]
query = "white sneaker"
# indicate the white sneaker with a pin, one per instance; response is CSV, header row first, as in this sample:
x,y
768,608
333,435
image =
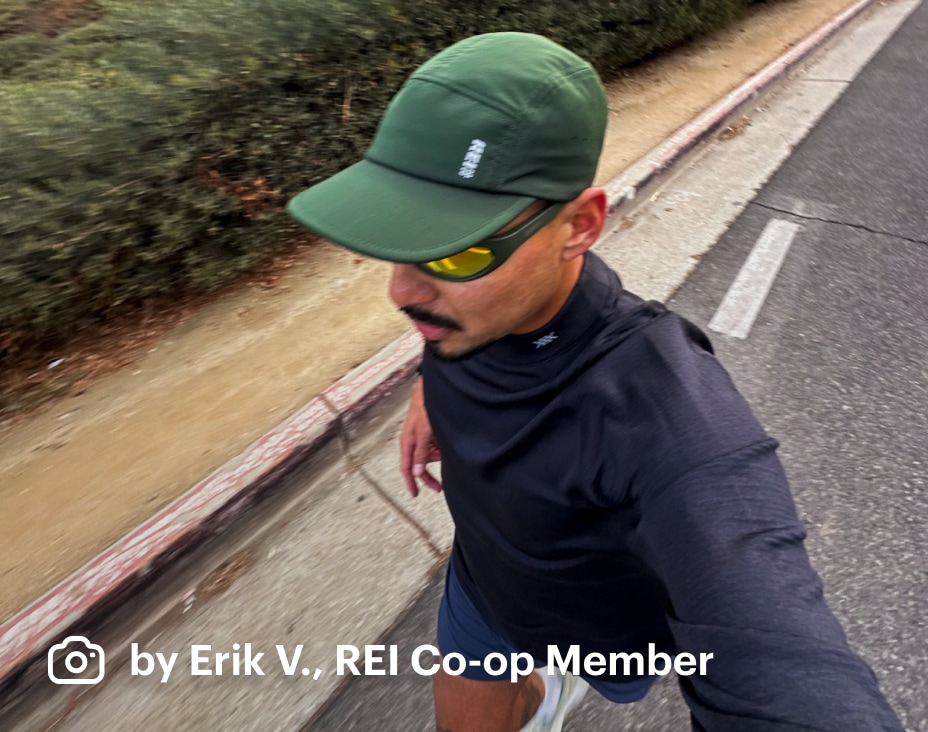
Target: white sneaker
x,y
550,717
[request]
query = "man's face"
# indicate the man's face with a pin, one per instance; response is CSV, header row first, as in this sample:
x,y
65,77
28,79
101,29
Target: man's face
x,y
525,292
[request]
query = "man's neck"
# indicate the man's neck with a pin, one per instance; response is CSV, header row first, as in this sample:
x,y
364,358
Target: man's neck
x,y
570,277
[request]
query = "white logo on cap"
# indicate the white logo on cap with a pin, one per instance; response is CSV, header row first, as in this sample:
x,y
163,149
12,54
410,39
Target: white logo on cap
x,y
472,159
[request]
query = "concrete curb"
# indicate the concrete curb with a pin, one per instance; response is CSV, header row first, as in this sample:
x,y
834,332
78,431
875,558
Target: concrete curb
x,y
215,502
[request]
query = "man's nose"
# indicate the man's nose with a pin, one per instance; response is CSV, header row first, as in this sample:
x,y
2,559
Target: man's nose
x,y
409,285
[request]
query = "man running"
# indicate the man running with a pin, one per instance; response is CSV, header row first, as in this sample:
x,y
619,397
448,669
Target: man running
x,y
614,498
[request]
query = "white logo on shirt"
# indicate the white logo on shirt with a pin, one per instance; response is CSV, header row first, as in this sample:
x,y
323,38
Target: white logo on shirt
x,y
472,158
545,340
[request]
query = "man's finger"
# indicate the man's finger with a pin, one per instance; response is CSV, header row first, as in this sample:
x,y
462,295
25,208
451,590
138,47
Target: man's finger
x,y
407,448
430,480
425,452
411,484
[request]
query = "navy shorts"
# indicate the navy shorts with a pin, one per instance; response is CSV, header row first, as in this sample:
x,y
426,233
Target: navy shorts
x,y
462,629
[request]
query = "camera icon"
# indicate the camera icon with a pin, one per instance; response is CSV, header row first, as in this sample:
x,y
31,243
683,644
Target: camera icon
x,y
80,656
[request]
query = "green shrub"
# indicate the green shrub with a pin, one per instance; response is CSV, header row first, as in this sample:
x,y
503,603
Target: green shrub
x,y
151,151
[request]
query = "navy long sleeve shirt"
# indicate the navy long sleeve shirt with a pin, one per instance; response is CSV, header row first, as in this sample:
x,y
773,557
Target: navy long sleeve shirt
x,y
611,488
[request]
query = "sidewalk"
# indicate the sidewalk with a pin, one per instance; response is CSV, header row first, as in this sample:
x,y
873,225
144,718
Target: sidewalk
x,y
340,401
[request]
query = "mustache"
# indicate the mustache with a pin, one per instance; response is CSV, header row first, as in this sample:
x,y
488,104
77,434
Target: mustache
x,y
424,316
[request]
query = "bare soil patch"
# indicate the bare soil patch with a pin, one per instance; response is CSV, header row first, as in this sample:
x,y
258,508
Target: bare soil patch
x,y
50,18
33,377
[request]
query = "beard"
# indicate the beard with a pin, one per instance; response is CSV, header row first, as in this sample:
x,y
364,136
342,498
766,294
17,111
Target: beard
x,y
432,349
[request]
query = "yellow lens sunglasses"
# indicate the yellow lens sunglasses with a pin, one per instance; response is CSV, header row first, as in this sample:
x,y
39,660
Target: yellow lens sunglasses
x,y
483,258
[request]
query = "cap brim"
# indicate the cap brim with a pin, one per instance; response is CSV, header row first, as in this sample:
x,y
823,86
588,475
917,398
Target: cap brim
x,y
382,213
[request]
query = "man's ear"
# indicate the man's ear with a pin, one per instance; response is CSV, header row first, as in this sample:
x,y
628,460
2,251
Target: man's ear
x,y
587,217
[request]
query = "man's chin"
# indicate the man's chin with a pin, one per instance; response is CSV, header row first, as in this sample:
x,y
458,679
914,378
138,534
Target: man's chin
x,y
442,352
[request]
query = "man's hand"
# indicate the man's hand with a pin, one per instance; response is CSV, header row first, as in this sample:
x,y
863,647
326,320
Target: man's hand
x,y
417,445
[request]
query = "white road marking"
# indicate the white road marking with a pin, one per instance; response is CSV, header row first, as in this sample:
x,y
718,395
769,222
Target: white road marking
x,y
747,293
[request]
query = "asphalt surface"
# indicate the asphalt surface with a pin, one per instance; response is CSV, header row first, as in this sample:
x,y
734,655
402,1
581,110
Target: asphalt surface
x,y
836,367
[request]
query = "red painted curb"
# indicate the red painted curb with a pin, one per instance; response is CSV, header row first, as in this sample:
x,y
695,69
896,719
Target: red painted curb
x,y
207,507
622,190
214,502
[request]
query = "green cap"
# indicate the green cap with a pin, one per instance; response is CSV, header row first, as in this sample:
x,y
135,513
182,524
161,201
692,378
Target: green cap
x,y
474,136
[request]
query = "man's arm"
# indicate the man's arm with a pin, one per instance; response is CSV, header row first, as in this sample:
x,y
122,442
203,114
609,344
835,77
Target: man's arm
x,y
727,542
